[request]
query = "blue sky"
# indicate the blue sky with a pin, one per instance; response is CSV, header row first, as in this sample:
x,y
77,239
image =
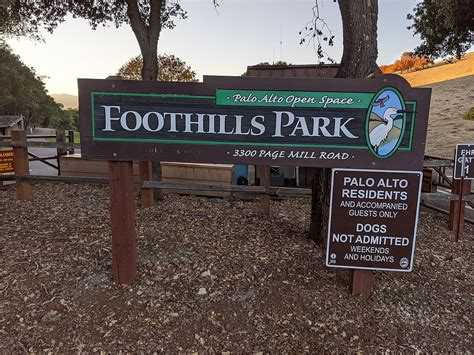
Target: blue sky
x,y
222,42
393,101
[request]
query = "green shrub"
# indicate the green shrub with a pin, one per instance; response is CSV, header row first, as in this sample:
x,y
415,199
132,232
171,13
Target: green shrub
x,y
469,115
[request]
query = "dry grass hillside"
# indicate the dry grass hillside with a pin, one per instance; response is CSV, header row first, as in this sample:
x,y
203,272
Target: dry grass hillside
x,y
450,99
462,68
452,95
69,101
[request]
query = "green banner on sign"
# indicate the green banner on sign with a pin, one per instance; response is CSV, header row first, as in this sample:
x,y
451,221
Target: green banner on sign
x,y
300,99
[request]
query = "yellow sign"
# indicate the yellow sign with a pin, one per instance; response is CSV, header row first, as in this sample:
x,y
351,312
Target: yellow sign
x,y
6,161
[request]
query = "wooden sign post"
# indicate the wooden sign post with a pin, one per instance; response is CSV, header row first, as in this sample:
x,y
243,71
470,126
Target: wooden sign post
x,y
24,191
361,282
122,212
457,208
6,163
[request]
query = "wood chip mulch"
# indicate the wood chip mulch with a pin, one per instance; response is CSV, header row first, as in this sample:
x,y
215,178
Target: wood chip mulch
x,y
215,276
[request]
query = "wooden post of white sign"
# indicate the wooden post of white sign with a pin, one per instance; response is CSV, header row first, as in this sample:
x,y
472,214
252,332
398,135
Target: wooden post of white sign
x,y
361,282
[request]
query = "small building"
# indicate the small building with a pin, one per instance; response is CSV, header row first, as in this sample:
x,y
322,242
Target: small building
x,y
322,71
7,123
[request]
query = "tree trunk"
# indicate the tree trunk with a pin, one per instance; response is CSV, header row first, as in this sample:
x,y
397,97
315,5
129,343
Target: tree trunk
x,y
320,187
147,37
147,34
359,23
150,62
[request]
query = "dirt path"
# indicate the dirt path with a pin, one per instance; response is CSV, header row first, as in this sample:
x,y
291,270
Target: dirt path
x,y
215,276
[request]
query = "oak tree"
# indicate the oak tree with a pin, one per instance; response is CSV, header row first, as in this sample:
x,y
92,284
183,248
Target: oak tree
x,y
407,61
170,68
445,26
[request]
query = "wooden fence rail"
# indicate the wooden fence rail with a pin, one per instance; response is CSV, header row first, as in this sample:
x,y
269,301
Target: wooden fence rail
x,y
32,136
40,145
437,164
256,190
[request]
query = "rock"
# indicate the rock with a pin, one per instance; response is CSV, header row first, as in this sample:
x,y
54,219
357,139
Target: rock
x,y
202,291
250,294
215,294
199,339
51,317
174,314
206,273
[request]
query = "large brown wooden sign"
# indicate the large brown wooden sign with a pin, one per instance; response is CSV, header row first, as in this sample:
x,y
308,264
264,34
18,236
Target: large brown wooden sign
x,y
373,219
372,123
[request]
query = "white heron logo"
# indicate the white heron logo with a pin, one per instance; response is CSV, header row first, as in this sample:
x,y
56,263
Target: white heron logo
x,y
380,133
386,123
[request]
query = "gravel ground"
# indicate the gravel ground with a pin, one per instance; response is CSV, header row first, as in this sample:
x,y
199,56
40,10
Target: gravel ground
x,y
215,276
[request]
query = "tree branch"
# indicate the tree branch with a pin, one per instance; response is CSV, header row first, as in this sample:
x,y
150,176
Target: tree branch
x,y
316,32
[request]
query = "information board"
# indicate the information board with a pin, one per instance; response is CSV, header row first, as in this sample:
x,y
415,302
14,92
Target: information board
x,y
373,219
466,150
6,161
357,123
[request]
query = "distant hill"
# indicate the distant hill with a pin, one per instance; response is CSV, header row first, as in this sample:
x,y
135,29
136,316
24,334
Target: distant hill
x,y
442,72
69,101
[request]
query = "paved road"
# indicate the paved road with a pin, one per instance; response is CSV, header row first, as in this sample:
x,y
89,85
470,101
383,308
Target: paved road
x,y
39,168
445,204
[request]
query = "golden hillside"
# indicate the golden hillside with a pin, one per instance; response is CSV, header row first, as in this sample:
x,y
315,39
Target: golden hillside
x,y
462,68
69,101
